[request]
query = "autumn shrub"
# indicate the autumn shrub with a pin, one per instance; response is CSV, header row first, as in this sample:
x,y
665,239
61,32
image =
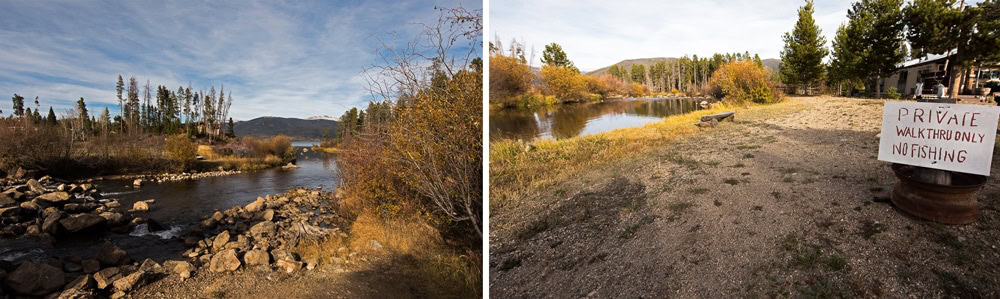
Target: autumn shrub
x,y
565,84
604,85
637,90
743,82
31,146
428,161
510,78
180,150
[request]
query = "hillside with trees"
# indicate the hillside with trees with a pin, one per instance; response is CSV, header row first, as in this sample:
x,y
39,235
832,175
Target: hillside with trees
x,y
311,129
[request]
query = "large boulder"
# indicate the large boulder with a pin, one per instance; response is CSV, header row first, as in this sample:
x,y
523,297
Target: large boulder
x,y
113,218
54,197
112,255
140,206
220,240
263,230
150,265
11,211
267,215
6,200
105,277
36,186
132,281
257,257
90,266
255,206
35,279
224,261
50,224
83,222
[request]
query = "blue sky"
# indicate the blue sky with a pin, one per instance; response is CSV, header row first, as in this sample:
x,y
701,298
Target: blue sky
x,y
598,33
278,58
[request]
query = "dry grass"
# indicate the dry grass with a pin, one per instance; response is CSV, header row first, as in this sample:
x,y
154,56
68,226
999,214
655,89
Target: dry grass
x,y
450,271
237,163
328,150
517,168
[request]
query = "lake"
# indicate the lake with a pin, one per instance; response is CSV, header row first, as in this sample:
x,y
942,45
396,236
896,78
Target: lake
x,y
578,119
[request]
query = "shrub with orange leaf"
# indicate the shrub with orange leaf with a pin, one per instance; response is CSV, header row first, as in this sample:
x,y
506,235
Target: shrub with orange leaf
x,y
743,82
509,79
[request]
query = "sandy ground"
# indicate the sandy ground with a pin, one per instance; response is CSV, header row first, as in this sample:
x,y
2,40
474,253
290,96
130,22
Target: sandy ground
x,y
381,278
769,207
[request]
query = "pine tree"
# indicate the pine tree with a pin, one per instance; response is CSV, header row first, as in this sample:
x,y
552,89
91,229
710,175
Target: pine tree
x,y
52,116
554,55
118,89
802,58
229,131
81,109
18,105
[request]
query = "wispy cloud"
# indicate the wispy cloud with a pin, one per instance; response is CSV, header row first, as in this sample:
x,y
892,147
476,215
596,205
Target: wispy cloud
x,y
278,58
596,33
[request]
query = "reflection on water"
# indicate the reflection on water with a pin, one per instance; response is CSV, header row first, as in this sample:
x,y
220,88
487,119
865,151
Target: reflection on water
x,y
571,120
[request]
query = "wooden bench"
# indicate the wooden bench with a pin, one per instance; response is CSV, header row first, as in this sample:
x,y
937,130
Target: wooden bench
x,y
712,120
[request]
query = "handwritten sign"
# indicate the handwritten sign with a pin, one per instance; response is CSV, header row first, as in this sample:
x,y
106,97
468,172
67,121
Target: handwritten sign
x,y
955,137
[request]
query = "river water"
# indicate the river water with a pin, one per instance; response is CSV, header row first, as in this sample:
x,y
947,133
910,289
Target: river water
x,y
571,120
181,204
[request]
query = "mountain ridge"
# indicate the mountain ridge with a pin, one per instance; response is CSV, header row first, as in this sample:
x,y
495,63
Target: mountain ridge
x,y
296,128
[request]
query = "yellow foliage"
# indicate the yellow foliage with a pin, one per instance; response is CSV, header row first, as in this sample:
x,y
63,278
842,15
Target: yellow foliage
x,y
637,90
565,84
509,78
180,149
743,82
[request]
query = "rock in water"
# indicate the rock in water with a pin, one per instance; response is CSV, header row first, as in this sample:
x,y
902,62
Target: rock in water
x,y
224,261
111,255
140,206
35,279
36,186
220,240
83,222
90,266
54,197
257,257
137,183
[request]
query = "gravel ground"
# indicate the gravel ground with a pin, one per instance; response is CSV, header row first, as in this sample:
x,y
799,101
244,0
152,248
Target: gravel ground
x,y
766,206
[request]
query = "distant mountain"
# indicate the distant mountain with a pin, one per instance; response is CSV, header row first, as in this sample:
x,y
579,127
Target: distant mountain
x,y
293,127
627,63
772,63
769,63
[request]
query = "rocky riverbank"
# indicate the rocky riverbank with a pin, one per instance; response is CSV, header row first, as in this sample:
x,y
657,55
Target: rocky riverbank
x,y
271,234
49,208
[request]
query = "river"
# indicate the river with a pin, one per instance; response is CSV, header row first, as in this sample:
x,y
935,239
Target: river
x,y
181,204
571,120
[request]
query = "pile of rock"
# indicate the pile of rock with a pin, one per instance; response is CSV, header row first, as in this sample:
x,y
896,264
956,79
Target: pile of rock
x,y
265,234
49,207
112,273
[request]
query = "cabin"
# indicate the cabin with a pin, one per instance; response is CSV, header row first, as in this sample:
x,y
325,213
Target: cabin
x,y
931,70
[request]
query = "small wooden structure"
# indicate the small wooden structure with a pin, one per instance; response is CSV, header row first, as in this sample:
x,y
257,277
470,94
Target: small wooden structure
x,y
712,120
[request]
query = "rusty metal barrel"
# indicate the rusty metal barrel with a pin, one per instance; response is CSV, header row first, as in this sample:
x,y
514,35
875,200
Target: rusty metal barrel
x,y
948,204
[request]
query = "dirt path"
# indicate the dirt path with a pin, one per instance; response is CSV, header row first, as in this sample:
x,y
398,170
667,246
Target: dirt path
x,y
378,280
766,207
